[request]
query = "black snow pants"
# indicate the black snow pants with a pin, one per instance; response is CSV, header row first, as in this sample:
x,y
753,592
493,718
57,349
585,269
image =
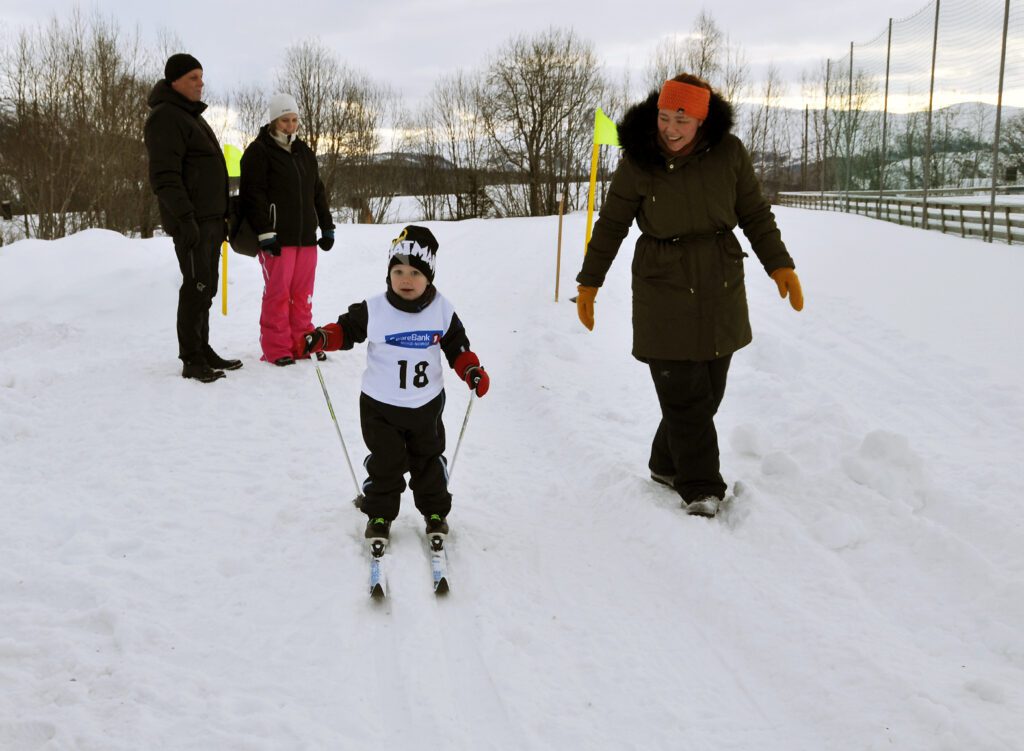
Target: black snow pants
x,y
686,444
403,439
200,267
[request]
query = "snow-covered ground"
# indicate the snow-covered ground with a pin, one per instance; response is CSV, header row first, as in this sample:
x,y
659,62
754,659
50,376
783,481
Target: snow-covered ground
x,y
182,568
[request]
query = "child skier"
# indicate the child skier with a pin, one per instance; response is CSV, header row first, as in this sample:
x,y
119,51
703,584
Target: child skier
x,y
408,327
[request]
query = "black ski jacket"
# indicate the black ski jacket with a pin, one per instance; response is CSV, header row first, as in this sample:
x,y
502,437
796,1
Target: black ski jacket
x,y
281,192
186,165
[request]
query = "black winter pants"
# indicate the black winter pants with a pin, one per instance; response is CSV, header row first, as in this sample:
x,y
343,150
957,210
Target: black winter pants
x,y
686,443
401,439
200,268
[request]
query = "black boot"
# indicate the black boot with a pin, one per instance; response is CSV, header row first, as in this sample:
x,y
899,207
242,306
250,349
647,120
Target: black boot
x,y
286,360
199,370
378,529
437,531
436,525
216,361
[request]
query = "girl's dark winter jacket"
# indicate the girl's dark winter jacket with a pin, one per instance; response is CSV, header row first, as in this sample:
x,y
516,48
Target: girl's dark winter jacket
x,y
689,300
288,182
186,166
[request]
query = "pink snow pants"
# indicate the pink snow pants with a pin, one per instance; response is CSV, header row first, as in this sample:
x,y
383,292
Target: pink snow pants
x,y
287,299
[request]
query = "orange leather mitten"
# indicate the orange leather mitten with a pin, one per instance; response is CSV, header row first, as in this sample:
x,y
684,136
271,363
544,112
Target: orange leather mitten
x,y
585,305
789,283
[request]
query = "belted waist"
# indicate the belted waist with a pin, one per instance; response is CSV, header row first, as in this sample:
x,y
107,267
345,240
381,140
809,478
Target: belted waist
x,y
688,238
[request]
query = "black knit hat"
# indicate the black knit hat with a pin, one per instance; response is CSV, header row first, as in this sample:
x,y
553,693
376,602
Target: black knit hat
x,y
417,247
178,65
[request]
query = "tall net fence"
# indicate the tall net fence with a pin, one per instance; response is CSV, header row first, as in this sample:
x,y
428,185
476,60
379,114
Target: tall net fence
x,y
916,108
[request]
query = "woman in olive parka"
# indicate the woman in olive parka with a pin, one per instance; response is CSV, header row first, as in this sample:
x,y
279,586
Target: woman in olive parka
x,y
688,182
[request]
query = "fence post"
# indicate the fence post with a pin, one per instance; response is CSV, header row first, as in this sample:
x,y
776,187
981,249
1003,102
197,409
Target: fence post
x,y
849,133
803,161
999,116
885,120
928,136
824,127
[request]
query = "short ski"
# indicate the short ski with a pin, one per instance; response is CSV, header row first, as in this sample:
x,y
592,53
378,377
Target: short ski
x,y
378,576
438,564
378,571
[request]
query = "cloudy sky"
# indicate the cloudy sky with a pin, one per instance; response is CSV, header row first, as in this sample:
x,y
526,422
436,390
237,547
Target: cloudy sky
x,y
409,43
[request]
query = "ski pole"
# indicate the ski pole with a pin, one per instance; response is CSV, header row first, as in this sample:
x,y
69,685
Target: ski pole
x,y
458,444
358,500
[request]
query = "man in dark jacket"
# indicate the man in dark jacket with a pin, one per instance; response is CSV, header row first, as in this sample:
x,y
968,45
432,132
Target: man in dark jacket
x,y
189,177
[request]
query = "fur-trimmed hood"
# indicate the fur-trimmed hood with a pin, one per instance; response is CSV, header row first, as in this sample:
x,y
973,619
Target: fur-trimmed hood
x,y
638,130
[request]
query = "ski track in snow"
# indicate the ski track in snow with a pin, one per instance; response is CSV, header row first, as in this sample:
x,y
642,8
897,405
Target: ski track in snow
x,y
184,569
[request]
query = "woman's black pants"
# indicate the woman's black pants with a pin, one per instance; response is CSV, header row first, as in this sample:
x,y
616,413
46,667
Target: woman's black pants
x,y
686,444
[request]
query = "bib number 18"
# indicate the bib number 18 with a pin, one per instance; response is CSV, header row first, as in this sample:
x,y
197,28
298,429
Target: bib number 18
x,y
419,379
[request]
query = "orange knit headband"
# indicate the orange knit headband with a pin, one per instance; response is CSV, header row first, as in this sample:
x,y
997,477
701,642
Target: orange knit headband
x,y
692,100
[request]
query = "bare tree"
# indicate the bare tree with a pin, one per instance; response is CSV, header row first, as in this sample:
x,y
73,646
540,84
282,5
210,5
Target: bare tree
x,y
705,52
767,131
114,80
537,103
431,185
856,131
454,146
1011,147
667,60
39,155
344,116
812,88
364,130
910,143
248,104
314,77
981,120
704,48
71,145
733,74
944,135
167,43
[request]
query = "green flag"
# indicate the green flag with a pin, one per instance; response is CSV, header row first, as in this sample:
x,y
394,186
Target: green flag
x,y
233,157
605,131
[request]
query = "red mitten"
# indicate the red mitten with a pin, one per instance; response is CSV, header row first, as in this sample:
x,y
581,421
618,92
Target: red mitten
x,y
467,367
324,338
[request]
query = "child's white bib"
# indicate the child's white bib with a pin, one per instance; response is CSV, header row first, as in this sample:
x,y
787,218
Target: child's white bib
x,y
403,357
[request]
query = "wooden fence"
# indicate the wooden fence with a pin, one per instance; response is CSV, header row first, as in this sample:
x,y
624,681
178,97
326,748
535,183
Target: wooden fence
x,y
952,215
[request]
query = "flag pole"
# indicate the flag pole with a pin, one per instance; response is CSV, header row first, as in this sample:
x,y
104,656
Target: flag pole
x,y
224,278
558,257
232,159
605,133
594,156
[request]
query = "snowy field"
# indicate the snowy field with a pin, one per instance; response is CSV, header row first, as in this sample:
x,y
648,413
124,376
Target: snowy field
x,y
182,569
